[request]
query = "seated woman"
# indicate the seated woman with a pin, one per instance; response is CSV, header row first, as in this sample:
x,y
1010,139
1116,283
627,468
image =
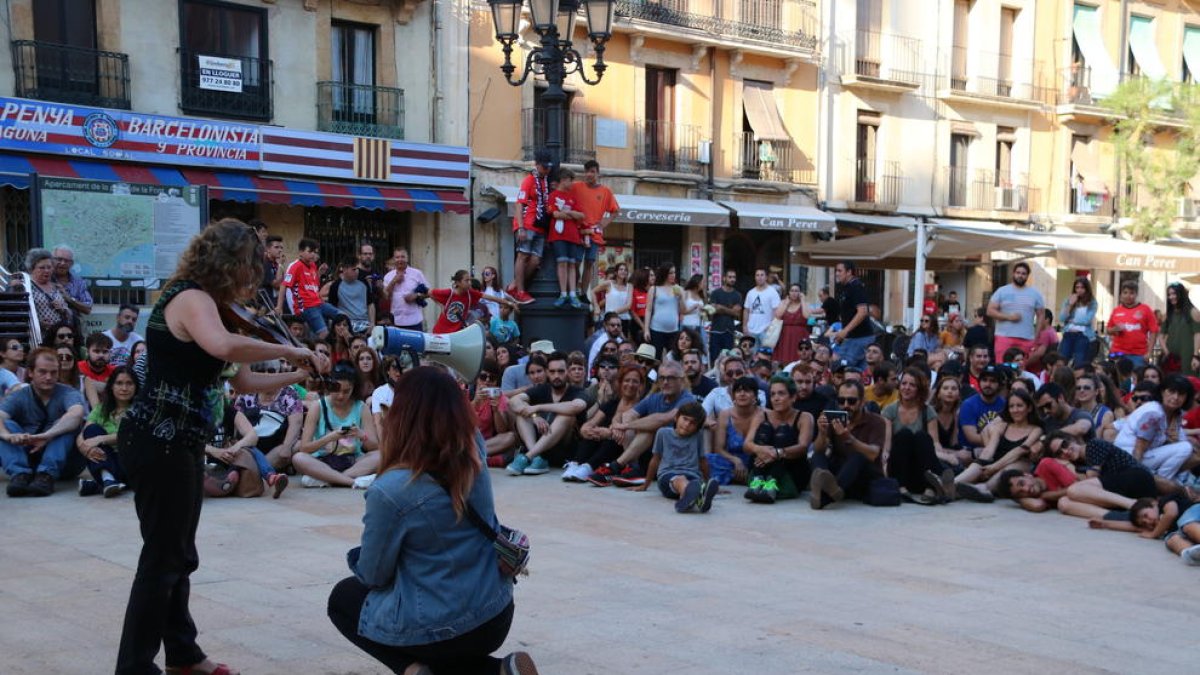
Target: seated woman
x,y
491,411
339,442
234,434
1088,390
370,373
779,449
1010,443
382,397
913,459
68,368
729,462
96,440
600,444
947,398
278,418
426,595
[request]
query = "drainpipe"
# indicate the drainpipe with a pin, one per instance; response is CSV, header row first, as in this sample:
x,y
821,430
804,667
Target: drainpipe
x,y
1124,60
918,299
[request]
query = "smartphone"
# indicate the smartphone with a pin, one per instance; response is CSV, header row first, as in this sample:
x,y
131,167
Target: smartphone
x,y
492,392
347,429
840,415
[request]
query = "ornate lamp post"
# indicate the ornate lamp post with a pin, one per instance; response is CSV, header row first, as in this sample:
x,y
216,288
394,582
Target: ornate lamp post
x,y
555,59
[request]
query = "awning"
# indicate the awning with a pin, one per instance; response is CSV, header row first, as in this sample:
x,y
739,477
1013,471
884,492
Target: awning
x,y
1110,253
752,216
763,112
1141,43
950,240
1191,50
1086,29
1086,164
647,210
16,170
876,221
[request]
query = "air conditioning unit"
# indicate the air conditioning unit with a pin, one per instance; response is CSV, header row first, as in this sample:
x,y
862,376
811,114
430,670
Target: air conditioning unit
x,y
1188,208
1006,199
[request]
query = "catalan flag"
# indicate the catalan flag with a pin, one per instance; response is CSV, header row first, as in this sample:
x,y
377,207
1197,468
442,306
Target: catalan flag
x,y
373,158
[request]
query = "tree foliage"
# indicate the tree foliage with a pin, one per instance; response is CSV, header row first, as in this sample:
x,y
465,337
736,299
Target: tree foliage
x,y
1157,139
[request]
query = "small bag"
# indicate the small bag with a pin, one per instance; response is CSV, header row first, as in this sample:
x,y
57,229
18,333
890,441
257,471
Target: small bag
x,y
512,546
771,335
884,492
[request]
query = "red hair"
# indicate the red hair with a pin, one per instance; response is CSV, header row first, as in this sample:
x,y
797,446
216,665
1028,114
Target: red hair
x,y
430,428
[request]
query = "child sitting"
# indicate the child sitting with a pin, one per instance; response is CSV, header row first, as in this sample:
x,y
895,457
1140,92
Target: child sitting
x,y
1174,516
679,462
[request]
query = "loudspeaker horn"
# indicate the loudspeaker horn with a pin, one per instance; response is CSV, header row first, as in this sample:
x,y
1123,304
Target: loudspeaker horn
x,y
462,351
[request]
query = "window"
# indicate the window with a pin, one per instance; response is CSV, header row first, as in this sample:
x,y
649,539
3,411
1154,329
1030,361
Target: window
x,y
352,60
1005,139
868,20
65,63
65,22
960,146
223,59
958,64
864,156
659,128
1191,54
1008,19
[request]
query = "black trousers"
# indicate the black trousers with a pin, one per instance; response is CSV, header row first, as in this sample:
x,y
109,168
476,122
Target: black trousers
x,y
854,471
467,654
912,455
596,453
167,482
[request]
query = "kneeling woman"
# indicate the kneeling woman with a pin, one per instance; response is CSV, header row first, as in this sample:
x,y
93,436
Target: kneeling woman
x,y
427,593
339,441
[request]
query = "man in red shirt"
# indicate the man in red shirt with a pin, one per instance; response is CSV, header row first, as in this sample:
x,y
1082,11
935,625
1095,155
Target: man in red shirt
x,y
1133,326
565,241
530,223
302,279
598,206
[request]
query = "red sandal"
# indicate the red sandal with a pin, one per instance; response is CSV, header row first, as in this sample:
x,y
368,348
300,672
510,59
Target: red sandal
x,y
221,669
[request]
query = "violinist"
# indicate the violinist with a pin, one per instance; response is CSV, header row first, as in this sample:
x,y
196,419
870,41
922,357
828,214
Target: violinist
x,y
161,438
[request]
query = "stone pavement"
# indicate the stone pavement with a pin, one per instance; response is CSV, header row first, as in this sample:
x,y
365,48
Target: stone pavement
x,y
622,584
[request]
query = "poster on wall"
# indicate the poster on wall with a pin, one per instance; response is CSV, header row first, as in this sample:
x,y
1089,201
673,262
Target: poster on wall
x,y
715,263
697,259
612,254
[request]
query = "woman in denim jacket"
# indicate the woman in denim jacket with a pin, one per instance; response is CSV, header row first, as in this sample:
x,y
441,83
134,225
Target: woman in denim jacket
x,y
1077,316
427,594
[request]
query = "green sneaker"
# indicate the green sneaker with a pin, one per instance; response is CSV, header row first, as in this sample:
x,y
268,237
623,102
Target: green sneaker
x,y
518,466
756,485
770,490
537,466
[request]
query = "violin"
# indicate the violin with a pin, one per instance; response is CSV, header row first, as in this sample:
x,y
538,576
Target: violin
x,y
268,327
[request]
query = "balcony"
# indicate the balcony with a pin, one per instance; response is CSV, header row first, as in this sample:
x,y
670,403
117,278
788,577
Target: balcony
x,y
1084,203
244,96
777,24
778,161
994,80
1075,99
52,72
986,190
883,62
878,189
579,135
360,110
666,146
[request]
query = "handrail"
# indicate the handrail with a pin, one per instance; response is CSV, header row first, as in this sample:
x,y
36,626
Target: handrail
x,y
35,330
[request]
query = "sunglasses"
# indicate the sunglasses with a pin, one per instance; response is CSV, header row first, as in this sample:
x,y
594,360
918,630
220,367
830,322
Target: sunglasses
x,y
65,357
734,373
1140,399
487,377
1082,387
847,400
607,366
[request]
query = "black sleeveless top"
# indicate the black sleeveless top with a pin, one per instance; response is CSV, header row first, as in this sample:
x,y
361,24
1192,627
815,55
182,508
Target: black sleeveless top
x,y
180,395
783,436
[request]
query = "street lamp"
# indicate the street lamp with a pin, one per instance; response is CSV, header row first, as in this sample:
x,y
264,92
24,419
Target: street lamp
x,y
554,58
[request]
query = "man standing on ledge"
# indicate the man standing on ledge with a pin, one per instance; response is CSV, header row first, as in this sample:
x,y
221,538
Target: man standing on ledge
x,y
530,225
598,206
856,333
1015,308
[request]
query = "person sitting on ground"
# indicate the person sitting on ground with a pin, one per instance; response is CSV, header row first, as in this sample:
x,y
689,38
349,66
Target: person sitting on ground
x,y
234,434
611,333
38,424
96,369
516,377
883,391
1153,432
728,459
1058,415
12,374
847,451
340,337
68,368
980,409
807,398
425,595
1175,518
678,463
978,358
278,419
601,444
384,394
122,335
577,373
693,370
1011,443
926,336
946,401
777,445
339,444
1088,392
804,356
370,373
687,339
913,459
1014,360
97,441
503,326
604,385
640,423
547,416
491,413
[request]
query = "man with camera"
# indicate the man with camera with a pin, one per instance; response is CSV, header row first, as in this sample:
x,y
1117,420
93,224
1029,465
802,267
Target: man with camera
x,y
848,449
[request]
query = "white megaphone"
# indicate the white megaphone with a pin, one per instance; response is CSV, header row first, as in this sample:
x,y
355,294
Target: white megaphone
x,y
462,351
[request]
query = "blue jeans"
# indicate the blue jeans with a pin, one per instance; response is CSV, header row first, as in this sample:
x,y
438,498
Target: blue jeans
x,y
260,460
1074,348
318,317
110,463
854,350
57,457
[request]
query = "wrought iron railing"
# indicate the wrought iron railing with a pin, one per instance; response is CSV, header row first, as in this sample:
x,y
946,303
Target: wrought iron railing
x,y
579,134
986,190
997,74
781,23
247,96
1076,85
883,188
667,146
886,56
360,109
778,161
53,72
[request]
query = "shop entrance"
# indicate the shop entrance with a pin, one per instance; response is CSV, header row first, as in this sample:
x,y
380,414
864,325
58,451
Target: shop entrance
x,y
748,250
655,245
341,231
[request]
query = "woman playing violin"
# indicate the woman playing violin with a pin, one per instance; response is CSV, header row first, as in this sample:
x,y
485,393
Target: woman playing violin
x,y
161,438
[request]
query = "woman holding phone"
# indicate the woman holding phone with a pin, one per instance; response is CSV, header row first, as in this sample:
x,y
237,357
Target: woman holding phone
x,y
339,443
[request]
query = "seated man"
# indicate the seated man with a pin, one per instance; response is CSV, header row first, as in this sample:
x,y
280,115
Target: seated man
x,y
641,423
846,455
697,382
884,389
37,441
1058,415
981,408
96,368
546,416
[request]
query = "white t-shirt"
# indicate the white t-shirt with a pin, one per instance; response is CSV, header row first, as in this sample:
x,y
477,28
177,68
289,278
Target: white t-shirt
x,y
380,397
120,350
762,306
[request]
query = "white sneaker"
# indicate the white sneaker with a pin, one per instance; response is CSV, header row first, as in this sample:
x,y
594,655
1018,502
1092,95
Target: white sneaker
x,y
1190,555
582,472
310,482
363,482
568,474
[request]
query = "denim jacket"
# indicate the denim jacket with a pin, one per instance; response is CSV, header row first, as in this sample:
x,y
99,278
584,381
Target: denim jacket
x,y
431,578
1067,316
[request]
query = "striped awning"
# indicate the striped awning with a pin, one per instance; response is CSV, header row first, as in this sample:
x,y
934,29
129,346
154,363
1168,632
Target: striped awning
x,y
17,170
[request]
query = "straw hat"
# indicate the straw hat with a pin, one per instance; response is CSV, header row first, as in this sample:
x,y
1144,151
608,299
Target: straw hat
x,y
647,352
543,346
